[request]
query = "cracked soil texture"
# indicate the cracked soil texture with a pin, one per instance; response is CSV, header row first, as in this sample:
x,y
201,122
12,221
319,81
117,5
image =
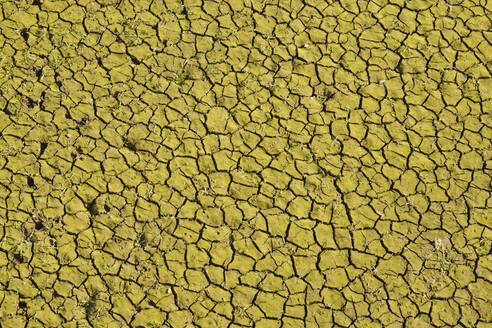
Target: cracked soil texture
x,y
265,163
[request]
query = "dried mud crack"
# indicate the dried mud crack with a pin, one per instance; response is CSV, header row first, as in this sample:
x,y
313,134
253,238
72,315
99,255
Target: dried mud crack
x,y
274,163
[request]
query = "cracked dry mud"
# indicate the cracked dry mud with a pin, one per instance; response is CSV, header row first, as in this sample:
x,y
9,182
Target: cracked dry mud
x,y
246,163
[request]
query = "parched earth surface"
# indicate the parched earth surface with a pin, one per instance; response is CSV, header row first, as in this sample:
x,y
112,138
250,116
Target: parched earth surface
x,y
276,163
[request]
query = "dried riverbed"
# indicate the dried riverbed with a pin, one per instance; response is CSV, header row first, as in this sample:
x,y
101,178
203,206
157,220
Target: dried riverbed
x,y
245,163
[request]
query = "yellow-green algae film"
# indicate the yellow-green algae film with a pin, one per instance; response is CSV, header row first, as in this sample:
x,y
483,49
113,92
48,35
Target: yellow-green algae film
x,y
245,163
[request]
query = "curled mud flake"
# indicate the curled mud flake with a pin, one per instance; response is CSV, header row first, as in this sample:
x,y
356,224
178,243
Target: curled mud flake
x,y
30,182
42,148
30,103
39,74
19,258
134,60
25,34
130,144
92,208
38,225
